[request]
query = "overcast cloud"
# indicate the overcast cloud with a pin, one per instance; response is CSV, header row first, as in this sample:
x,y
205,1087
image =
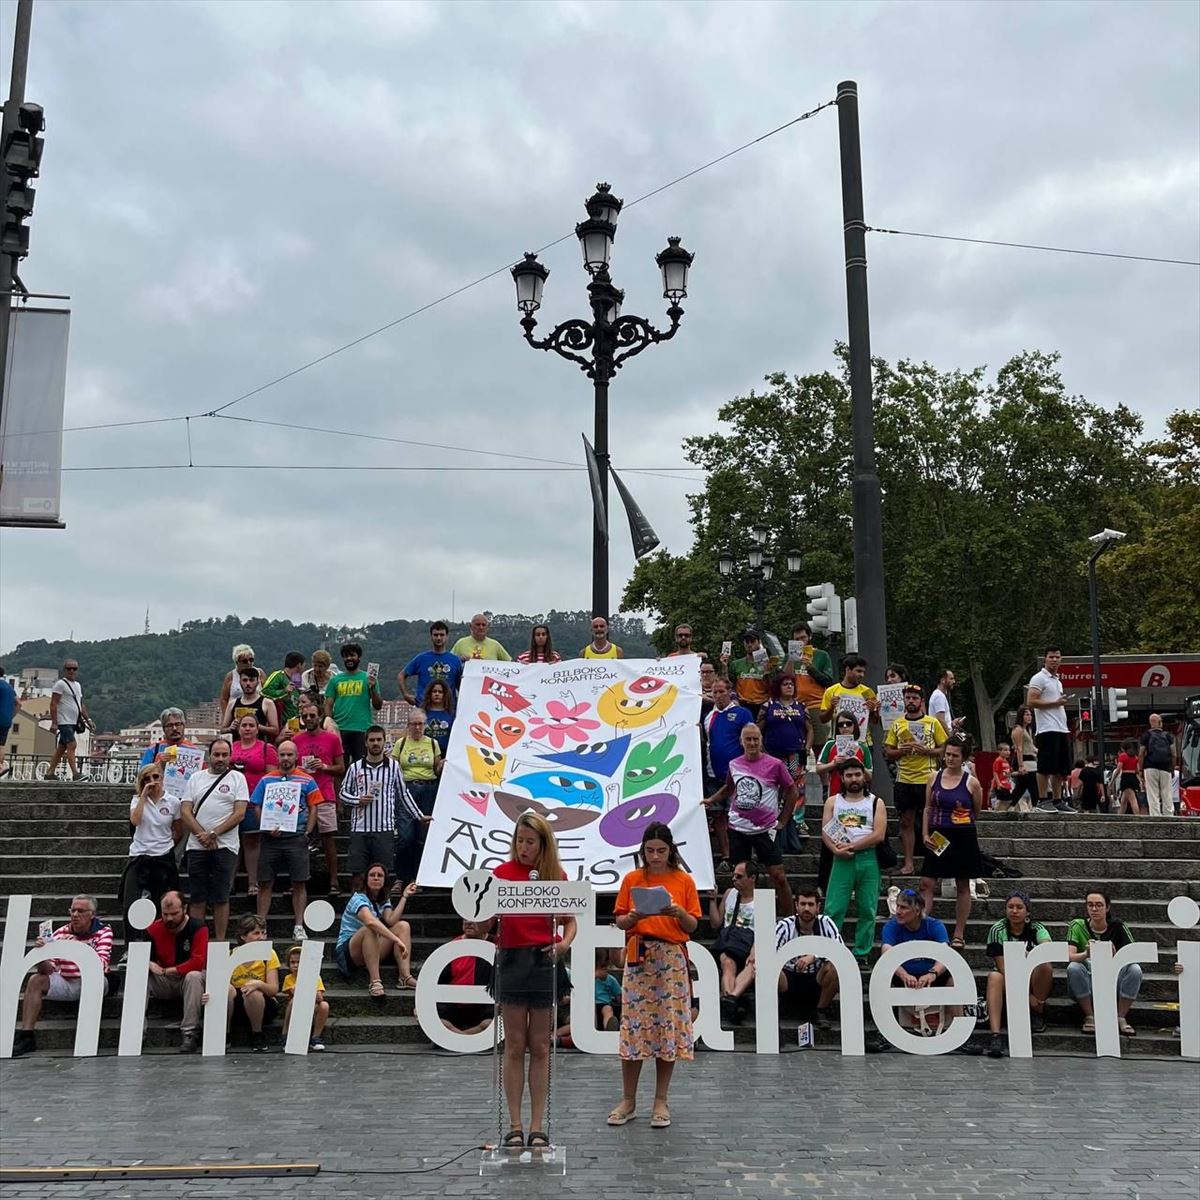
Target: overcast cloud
x,y
232,189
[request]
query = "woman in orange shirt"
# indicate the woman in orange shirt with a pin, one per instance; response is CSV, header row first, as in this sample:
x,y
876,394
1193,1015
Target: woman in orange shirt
x,y
656,1014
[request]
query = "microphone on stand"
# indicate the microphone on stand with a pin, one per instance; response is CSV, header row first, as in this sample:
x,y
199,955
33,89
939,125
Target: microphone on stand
x,y
534,876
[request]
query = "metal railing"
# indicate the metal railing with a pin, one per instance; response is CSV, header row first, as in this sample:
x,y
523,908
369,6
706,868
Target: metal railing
x,y
35,768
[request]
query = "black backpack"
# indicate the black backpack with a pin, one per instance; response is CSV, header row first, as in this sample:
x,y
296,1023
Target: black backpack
x,y
1159,745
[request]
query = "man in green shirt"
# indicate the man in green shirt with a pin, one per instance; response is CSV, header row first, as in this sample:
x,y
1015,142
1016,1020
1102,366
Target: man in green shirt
x,y
477,644
349,699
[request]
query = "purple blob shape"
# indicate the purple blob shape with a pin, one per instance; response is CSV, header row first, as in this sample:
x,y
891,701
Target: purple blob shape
x,y
625,824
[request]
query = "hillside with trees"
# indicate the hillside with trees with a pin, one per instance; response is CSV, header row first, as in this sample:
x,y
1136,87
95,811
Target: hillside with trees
x,y
130,680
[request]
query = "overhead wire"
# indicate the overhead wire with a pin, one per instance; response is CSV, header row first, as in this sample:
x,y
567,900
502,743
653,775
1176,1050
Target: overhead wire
x,y
946,237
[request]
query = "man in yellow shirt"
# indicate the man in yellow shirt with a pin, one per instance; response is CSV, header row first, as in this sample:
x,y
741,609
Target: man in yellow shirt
x,y
477,644
915,742
851,695
600,646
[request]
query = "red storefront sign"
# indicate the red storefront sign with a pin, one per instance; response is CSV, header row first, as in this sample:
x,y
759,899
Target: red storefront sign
x,y
1134,673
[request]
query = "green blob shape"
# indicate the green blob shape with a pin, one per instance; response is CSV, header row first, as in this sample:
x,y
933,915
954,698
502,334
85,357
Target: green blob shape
x,y
647,766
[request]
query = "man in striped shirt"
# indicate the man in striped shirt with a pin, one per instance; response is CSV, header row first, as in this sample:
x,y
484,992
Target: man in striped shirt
x,y
808,980
374,792
58,978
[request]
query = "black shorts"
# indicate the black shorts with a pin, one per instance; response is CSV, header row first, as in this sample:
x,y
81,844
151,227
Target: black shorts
x,y
368,848
763,848
241,1017
909,797
1053,753
287,852
1129,781
528,975
802,988
354,745
210,875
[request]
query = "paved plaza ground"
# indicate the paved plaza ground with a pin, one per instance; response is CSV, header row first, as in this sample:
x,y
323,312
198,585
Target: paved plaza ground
x,y
807,1124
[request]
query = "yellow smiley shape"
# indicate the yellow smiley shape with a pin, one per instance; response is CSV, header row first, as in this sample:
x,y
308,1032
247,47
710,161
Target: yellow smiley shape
x,y
624,711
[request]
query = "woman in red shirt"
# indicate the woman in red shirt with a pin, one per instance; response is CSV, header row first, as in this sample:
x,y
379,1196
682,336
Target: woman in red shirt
x,y
656,1009
529,973
1129,783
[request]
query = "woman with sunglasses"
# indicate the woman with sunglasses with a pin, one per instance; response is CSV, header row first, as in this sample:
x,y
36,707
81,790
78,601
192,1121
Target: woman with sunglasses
x,y
541,647
250,701
157,826
231,687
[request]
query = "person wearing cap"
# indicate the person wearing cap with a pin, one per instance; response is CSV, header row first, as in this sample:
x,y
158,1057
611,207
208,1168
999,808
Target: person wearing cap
x,y
1016,926
914,743
750,673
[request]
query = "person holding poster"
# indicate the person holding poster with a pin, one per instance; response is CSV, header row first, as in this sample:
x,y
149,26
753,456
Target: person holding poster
x,y
530,971
813,672
914,743
851,695
180,758
288,817
658,907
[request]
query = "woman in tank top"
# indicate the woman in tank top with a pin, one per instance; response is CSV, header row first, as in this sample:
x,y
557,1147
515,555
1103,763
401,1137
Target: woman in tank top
x,y
252,703
1024,762
953,801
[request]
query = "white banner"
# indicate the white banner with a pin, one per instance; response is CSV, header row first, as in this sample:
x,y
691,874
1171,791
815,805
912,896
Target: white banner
x,y
35,383
599,747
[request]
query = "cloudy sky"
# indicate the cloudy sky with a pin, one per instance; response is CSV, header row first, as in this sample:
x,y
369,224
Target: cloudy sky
x,y
230,190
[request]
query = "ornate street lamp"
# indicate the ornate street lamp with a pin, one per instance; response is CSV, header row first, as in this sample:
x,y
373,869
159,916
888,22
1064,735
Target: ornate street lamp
x,y
602,344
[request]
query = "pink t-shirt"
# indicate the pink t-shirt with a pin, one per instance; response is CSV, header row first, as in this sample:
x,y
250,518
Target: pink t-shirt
x,y
326,746
757,793
255,762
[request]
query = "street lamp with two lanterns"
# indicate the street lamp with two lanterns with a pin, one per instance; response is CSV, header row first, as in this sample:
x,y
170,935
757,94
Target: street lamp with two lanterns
x,y
761,566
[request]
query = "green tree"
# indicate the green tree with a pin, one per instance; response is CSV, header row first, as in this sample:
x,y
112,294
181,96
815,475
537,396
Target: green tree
x,y
990,491
1155,580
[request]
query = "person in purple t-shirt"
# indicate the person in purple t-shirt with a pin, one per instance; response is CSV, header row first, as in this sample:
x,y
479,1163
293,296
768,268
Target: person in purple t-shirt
x,y
757,786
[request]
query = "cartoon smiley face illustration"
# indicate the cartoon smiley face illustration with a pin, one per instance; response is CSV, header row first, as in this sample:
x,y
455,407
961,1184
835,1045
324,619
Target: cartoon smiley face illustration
x,y
600,758
625,824
635,705
647,766
505,693
563,787
487,766
561,819
477,798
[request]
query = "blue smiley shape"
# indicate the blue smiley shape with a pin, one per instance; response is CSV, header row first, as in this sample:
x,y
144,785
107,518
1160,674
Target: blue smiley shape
x,y
565,787
601,758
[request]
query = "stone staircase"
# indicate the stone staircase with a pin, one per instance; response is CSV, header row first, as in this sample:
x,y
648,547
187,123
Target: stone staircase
x,y
59,840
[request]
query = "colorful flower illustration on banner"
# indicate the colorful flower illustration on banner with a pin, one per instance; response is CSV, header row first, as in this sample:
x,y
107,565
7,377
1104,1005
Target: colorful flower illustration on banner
x,y
477,798
625,824
638,704
649,765
566,787
562,721
487,766
505,693
561,819
600,758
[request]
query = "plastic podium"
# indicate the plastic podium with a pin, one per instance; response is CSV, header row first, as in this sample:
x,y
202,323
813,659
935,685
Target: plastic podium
x,y
523,972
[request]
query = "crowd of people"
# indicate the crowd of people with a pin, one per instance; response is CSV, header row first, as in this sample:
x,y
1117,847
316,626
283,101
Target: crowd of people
x,y
301,745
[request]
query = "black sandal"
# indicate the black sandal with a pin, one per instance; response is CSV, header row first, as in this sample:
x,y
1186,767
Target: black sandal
x,y
514,1139
537,1140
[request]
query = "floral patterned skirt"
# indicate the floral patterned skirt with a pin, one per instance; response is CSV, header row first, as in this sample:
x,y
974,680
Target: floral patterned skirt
x,y
656,1013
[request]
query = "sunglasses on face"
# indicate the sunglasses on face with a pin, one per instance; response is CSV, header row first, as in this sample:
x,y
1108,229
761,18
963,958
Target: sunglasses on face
x,y
151,778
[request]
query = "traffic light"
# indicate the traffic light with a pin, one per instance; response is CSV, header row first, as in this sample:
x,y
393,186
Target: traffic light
x,y
824,607
1085,715
1118,704
22,163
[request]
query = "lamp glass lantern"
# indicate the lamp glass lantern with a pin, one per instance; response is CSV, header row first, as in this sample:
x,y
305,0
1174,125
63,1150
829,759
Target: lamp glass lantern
x,y
759,534
595,240
603,205
530,277
725,565
755,556
768,569
793,561
674,263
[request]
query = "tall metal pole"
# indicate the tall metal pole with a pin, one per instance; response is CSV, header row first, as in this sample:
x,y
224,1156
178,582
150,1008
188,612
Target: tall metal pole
x,y
865,495
16,97
600,527
1097,687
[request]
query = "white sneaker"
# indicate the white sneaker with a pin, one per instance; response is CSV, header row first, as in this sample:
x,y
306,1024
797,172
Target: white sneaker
x,y
298,934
